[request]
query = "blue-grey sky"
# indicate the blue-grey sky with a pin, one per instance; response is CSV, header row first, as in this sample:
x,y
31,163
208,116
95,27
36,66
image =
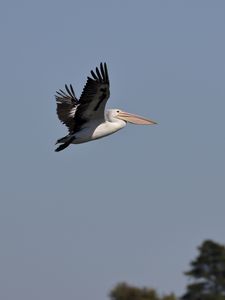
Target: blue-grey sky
x,y
133,206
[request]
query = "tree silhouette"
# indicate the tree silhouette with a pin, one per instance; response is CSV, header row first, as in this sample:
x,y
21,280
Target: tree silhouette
x,y
208,273
123,291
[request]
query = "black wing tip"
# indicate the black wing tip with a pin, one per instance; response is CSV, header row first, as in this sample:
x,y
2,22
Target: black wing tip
x,y
102,75
68,94
94,75
70,90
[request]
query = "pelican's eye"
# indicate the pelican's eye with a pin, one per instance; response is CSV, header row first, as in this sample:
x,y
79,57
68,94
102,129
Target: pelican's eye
x,y
117,111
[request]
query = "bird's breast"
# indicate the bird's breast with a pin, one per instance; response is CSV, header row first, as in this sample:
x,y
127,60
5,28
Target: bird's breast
x,y
96,131
106,128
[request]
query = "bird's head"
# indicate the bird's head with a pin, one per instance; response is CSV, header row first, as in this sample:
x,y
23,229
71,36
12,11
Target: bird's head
x,y
128,117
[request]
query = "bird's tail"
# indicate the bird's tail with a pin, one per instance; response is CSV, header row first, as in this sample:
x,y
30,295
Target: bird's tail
x,y
64,144
62,140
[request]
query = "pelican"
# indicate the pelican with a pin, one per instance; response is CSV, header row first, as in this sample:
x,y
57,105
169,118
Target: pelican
x,y
86,118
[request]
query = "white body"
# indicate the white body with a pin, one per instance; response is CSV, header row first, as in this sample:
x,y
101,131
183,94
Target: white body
x,y
96,130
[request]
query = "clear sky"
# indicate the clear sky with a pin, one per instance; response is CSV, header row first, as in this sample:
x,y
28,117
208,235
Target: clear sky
x,y
131,207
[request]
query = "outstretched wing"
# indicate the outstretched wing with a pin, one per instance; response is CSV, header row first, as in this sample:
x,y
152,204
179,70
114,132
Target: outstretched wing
x,y
94,96
66,107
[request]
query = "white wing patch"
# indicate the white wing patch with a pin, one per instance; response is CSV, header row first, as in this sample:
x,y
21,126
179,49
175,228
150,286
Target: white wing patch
x,y
73,111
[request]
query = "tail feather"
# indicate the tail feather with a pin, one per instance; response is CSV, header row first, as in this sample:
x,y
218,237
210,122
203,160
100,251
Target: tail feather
x,y
64,145
62,140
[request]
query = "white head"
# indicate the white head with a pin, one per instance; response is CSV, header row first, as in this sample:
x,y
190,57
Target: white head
x,y
114,114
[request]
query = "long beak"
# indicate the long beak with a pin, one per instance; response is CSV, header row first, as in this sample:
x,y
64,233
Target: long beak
x,y
134,119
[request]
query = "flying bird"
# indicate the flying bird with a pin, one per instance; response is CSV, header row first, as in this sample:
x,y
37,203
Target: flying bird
x,y
86,118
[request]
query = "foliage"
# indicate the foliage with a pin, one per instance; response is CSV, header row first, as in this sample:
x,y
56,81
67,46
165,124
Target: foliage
x,y
123,291
208,273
